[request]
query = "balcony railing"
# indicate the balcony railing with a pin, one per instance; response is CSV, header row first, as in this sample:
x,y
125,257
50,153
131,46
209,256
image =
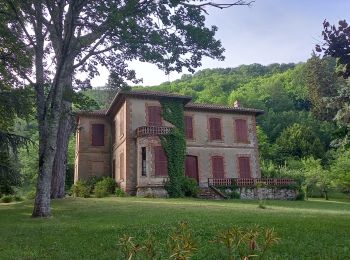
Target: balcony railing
x,y
152,130
248,182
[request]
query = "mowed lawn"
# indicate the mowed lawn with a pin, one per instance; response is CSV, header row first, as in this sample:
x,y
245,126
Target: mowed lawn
x,y
90,228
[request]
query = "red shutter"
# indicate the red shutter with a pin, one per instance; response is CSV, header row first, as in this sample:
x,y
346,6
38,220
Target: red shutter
x,y
189,127
244,167
98,135
218,167
241,130
160,161
215,128
154,116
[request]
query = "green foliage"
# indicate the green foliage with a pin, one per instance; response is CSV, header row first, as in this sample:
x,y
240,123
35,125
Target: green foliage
x,y
299,141
340,170
120,193
7,199
104,187
81,189
247,243
31,195
190,187
91,182
174,145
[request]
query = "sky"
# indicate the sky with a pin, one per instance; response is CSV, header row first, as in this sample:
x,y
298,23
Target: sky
x,y
270,31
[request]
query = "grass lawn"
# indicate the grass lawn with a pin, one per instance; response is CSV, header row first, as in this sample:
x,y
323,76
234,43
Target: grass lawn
x,y
89,228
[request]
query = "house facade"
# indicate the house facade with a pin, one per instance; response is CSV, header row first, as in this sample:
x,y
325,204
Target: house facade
x,y
123,142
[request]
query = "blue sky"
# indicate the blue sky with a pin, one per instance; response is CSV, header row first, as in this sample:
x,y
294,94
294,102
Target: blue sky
x,y
270,31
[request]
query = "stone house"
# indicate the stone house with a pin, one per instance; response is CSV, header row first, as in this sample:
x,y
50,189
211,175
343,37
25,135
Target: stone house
x,y
123,142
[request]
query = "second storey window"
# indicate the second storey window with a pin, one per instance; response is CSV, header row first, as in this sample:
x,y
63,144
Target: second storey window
x,y
241,131
160,161
189,127
154,116
98,135
215,129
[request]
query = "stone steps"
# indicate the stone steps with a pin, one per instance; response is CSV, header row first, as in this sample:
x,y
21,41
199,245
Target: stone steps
x,y
209,193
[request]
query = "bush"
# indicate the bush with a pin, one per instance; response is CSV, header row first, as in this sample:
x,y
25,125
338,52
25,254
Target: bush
x,y
7,199
190,187
81,189
120,193
31,195
101,190
104,187
18,198
92,182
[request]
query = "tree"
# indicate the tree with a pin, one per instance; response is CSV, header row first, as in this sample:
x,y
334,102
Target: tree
x,y
69,36
299,141
337,44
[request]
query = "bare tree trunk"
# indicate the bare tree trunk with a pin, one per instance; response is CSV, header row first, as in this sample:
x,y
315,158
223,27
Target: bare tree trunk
x,y
60,162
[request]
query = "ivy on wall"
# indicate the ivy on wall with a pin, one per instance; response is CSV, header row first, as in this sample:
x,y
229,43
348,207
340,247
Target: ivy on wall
x,y
174,145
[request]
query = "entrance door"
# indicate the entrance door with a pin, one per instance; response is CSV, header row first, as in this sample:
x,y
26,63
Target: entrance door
x,y
191,167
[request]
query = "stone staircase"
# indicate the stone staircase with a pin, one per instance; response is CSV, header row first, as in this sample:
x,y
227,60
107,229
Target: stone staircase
x,y
210,193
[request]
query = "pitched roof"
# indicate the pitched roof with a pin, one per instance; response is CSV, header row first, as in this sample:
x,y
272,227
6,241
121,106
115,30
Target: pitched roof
x,y
218,108
101,112
120,96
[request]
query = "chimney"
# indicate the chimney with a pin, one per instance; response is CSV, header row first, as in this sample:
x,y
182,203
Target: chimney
x,y
237,104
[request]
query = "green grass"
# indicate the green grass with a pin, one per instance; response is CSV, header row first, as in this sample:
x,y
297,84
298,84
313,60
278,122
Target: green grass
x,y
89,228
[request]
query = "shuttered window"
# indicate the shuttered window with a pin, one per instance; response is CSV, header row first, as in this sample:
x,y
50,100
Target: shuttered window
x,y
154,116
189,127
160,161
121,166
215,128
244,167
241,130
98,135
218,167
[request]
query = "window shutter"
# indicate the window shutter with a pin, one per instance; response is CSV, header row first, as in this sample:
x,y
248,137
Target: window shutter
x,y
244,167
218,167
98,135
160,161
154,116
215,128
241,130
189,127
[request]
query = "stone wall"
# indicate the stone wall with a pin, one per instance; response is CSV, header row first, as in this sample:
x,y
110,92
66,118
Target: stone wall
x,y
265,193
152,192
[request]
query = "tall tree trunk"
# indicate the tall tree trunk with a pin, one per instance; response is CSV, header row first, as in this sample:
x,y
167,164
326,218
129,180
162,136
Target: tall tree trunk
x,y
60,162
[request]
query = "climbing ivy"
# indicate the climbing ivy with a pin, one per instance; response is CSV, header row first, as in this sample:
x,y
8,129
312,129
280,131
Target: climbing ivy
x,y
174,145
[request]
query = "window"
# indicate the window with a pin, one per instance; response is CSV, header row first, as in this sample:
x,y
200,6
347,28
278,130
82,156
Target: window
x,y
121,166
113,169
160,161
218,167
244,167
98,135
154,116
113,132
143,161
215,128
189,127
121,122
241,131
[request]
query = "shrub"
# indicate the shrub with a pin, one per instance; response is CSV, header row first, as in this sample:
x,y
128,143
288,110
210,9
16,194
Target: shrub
x,y
235,194
7,199
101,190
18,198
92,182
81,189
31,195
190,187
120,193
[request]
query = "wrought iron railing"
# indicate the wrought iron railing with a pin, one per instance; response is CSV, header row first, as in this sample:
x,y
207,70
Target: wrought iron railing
x,y
246,182
152,130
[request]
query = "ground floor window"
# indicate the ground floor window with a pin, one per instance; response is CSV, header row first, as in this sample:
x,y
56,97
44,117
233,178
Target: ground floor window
x,y
143,161
218,167
160,161
244,167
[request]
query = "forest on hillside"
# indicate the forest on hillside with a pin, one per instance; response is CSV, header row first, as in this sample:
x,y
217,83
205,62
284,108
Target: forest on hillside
x,y
303,133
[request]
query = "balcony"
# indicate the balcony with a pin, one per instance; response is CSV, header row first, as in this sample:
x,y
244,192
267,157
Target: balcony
x,y
152,130
248,182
